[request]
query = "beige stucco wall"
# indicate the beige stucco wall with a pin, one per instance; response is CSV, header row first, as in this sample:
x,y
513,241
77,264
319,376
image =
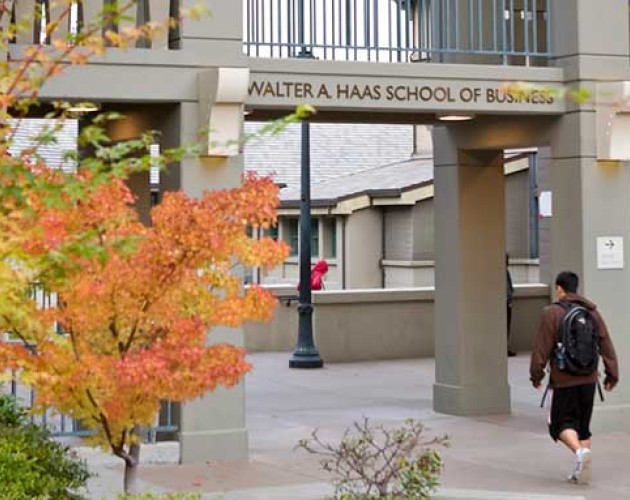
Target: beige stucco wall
x,y
517,214
367,325
404,273
289,274
355,325
363,245
423,230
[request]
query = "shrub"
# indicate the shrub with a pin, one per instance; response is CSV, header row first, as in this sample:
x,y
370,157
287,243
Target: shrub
x,y
372,461
32,465
11,414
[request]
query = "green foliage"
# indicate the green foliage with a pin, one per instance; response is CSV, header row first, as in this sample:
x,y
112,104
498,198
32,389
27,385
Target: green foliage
x,y
33,466
11,414
421,477
162,496
372,461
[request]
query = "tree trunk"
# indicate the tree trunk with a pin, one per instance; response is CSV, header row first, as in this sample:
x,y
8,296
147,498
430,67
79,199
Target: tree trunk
x,y
131,469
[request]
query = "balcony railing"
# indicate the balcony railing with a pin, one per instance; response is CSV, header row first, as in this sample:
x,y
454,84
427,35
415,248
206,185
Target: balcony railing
x,y
33,16
478,31
60,425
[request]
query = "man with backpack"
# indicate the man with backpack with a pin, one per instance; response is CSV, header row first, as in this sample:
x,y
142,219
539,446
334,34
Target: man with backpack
x,y
572,337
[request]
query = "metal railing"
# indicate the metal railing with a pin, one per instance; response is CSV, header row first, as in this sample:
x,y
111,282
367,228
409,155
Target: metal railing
x,y
483,31
36,14
61,425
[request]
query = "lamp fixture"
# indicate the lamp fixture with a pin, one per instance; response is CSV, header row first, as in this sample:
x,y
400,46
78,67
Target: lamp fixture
x,y
455,117
83,107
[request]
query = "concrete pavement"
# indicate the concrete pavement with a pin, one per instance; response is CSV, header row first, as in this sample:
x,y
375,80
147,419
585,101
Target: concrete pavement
x,y
507,457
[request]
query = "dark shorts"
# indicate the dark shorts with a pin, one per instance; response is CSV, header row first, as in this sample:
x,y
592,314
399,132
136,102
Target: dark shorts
x,y
571,408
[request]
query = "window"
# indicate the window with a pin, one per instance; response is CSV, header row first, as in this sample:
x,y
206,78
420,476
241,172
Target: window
x,y
314,237
248,272
330,238
271,232
291,236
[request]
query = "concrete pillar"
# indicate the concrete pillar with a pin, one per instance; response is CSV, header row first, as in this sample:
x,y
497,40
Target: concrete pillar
x,y
55,10
159,12
212,427
90,10
25,10
470,327
219,34
591,199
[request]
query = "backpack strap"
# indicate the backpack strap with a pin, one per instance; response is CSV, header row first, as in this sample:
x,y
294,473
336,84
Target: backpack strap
x,y
544,396
566,306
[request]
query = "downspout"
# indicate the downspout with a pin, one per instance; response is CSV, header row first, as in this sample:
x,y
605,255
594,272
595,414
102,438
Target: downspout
x,y
382,248
534,251
343,252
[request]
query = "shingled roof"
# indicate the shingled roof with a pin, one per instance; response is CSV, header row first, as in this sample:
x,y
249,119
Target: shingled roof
x,y
384,181
336,150
53,154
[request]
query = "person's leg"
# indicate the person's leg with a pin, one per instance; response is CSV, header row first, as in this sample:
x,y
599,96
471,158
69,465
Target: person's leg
x,y
586,399
586,402
566,426
569,437
581,473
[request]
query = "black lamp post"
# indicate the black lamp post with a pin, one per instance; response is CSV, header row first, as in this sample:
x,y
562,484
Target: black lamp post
x,y
305,354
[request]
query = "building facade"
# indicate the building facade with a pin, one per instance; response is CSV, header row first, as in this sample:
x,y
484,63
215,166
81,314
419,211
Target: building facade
x,y
373,222
414,62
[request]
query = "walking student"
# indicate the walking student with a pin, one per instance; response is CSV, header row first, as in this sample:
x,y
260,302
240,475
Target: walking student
x,y
572,337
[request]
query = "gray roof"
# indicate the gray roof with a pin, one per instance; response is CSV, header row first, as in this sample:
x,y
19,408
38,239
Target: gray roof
x,y
383,181
336,150
53,154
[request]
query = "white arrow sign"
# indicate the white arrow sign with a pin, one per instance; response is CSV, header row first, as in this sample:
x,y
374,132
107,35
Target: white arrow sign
x,y
610,252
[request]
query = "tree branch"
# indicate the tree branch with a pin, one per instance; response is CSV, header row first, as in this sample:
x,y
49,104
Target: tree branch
x,y
30,347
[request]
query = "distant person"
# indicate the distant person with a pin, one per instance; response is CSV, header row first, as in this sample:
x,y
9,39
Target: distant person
x,y
571,337
317,275
509,294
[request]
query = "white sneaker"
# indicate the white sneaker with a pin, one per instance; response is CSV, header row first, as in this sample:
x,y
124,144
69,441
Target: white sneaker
x,y
582,471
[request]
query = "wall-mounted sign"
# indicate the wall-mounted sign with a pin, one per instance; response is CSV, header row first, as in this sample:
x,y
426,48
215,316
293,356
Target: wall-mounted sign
x,y
545,208
402,93
328,90
610,252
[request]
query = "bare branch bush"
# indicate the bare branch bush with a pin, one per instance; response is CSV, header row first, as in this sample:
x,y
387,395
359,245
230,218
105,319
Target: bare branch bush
x,y
373,461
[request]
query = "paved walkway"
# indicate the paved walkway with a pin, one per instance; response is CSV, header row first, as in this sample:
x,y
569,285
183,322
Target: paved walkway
x,y
498,457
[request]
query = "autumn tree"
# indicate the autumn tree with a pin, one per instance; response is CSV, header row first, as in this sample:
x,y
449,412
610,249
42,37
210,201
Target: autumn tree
x,y
135,303
135,314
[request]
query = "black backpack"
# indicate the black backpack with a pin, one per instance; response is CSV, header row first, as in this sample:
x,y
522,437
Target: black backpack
x,y
579,339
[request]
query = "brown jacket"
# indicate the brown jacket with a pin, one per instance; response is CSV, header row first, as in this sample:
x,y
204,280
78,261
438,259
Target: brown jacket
x,y
548,335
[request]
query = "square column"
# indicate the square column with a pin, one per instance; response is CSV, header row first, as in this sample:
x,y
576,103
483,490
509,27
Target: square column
x,y
591,200
470,302
211,427
218,35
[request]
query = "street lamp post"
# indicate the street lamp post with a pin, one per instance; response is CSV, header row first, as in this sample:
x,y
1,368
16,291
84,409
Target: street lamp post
x,y
305,354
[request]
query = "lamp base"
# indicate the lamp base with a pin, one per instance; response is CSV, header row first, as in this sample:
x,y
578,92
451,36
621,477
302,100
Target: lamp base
x,y
309,361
